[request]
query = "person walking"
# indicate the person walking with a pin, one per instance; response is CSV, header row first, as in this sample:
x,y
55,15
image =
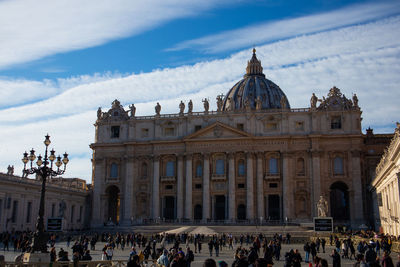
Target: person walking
x,y
307,250
210,246
335,258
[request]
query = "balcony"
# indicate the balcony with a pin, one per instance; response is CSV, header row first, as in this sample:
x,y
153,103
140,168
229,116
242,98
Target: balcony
x,y
272,175
218,177
168,178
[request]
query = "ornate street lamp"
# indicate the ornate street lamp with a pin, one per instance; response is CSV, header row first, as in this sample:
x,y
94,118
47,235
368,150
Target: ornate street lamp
x,y
45,170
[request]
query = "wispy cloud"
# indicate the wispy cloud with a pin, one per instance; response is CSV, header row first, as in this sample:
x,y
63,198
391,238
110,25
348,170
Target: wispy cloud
x,y
362,59
272,31
31,29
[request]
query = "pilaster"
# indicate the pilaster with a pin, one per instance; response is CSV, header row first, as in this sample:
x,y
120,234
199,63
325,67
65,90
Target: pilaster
x,y
250,187
206,187
260,186
179,188
231,187
188,198
156,188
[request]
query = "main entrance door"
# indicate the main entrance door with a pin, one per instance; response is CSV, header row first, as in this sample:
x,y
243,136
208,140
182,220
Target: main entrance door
x,y
274,207
220,207
169,208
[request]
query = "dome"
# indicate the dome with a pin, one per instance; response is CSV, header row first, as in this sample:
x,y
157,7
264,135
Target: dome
x,y
254,91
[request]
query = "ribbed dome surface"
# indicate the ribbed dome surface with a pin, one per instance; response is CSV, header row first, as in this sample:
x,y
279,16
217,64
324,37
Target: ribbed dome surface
x,y
254,91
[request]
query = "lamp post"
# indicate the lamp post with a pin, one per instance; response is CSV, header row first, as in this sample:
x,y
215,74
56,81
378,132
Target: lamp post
x,y
45,170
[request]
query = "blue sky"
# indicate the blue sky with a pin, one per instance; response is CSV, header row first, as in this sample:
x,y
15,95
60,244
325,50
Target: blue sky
x,y
60,60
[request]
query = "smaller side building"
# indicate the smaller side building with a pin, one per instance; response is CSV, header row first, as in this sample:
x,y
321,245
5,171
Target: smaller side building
x,y
386,187
66,198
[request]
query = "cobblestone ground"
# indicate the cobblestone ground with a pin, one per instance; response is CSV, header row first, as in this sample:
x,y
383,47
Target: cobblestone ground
x,y
225,254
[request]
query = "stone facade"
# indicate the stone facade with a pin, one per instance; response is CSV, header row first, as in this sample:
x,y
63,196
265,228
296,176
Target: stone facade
x,y
386,187
253,159
68,199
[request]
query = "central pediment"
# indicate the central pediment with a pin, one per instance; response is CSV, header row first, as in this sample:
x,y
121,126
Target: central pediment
x,y
217,130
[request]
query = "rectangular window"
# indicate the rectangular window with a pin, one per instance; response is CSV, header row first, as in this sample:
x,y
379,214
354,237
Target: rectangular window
x,y
28,212
197,186
14,211
170,169
336,122
169,187
72,213
197,127
240,126
273,185
114,131
169,131
199,170
240,186
145,132
241,168
53,210
273,166
220,167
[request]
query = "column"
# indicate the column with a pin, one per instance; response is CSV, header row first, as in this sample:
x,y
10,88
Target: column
x,y
316,181
179,189
206,188
356,177
156,188
99,172
260,186
231,187
128,191
249,188
285,186
188,198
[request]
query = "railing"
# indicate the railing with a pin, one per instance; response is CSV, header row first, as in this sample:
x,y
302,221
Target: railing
x,y
201,113
218,177
113,263
167,178
269,175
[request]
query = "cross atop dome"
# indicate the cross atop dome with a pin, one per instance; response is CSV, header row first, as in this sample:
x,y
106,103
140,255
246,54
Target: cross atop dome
x,y
254,66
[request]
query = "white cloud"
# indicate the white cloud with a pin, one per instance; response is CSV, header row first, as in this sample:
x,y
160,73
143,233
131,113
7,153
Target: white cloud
x,y
271,31
362,59
31,29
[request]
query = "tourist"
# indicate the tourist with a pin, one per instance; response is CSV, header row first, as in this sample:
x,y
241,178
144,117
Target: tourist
x,y
307,250
175,260
53,254
189,256
210,246
296,259
87,256
241,260
109,253
134,262
360,261
387,260
335,258
323,243
163,259
370,255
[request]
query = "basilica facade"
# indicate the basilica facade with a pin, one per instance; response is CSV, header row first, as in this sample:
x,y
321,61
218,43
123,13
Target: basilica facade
x,y
255,159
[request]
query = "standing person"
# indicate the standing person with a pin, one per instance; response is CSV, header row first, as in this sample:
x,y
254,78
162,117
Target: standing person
x,y
189,256
216,247
296,259
210,246
307,250
360,261
318,244
163,259
313,248
109,253
69,238
323,243
370,256
335,258
387,260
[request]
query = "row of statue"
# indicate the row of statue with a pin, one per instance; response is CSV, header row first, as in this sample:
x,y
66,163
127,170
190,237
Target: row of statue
x,y
335,99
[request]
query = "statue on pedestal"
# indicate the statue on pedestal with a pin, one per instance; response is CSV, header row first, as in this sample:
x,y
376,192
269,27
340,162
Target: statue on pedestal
x,y
206,105
313,101
158,109
133,110
322,207
181,108
10,170
190,106
99,113
219,102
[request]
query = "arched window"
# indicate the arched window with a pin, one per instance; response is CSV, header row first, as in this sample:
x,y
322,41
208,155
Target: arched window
x,y
114,170
170,169
144,170
220,167
199,169
241,168
273,166
338,166
300,167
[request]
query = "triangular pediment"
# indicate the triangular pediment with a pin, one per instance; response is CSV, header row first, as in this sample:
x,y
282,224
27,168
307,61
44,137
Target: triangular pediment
x,y
217,130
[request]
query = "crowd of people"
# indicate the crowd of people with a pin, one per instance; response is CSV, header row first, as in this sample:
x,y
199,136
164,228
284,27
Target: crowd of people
x,y
174,250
